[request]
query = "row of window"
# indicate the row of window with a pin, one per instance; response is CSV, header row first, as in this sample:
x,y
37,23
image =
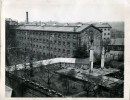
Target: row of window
x,y
59,50
54,42
42,47
106,38
106,33
59,35
34,39
105,29
115,47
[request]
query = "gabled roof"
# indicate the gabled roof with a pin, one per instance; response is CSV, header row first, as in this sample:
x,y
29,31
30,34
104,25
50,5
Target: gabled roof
x,y
56,28
82,27
47,28
102,25
86,26
117,41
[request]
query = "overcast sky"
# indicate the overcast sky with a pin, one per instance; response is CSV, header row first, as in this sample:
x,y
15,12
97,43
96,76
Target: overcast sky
x,y
65,10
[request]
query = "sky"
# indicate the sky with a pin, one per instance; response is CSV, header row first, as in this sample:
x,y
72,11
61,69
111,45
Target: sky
x,y
65,10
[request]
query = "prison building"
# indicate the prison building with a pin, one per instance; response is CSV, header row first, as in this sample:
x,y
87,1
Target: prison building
x,y
116,47
106,30
57,41
105,27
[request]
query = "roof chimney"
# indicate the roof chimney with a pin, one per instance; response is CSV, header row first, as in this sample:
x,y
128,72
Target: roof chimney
x,y
26,17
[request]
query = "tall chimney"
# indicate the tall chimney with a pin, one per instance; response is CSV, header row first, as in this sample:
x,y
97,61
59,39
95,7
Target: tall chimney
x,y
26,17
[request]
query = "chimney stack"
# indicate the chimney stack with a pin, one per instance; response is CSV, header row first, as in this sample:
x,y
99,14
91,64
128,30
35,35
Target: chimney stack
x,y
27,18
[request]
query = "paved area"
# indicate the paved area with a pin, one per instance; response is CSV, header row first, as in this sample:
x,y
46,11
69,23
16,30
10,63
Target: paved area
x,y
98,76
96,72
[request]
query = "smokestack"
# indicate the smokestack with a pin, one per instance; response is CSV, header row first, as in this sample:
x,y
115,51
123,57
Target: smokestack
x,y
26,17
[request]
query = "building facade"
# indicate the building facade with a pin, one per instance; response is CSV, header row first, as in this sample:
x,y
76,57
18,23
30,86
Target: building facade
x,y
106,30
57,41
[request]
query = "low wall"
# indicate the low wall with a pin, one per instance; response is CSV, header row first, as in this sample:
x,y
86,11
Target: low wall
x,y
26,88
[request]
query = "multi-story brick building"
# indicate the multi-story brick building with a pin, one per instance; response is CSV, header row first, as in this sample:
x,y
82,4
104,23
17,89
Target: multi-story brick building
x,y
106,30
57,41
105,27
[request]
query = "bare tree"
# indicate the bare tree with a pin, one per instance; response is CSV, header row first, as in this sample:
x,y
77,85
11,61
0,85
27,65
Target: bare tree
x,y
81,52
47,72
